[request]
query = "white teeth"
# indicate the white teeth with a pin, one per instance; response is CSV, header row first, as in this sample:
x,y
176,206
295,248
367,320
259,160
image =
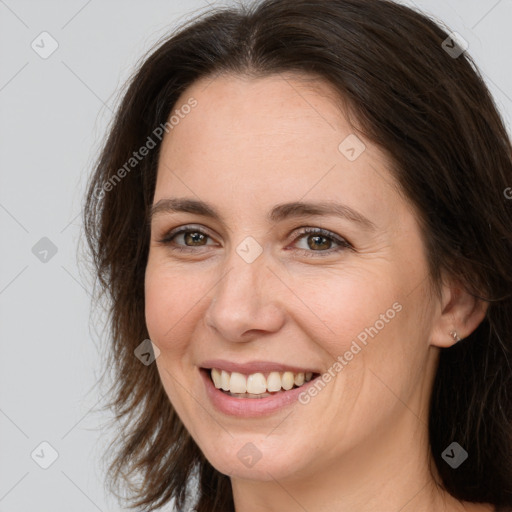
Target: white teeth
x,y
256,383
274,381
217,378
225,378
287,380
238,383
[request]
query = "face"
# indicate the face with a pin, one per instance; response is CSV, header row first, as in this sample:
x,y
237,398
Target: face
x,y
271,295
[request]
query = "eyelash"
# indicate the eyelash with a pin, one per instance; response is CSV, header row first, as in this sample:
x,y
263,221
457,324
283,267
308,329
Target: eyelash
x,y
342,243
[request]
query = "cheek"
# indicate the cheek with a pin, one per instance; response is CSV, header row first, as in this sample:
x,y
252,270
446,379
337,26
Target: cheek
x,y
158,306
169,302
344,304
367,320
169,312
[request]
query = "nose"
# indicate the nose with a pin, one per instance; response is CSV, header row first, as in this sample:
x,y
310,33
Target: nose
x,y
245,303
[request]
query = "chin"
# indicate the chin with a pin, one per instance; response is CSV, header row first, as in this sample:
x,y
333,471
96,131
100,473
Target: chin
x,y
246,457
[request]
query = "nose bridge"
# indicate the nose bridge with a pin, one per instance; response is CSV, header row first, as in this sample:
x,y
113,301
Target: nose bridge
x,y
243,300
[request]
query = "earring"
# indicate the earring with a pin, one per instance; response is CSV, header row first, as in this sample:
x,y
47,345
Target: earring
x,y
455,336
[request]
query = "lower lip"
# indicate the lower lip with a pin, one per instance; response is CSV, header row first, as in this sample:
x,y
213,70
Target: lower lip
x,y
250,407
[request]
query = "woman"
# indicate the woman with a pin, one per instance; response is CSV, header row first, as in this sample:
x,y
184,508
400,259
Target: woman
x,y
303,205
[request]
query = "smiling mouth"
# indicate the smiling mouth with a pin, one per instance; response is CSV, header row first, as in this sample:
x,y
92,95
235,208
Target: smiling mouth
x,y
257,385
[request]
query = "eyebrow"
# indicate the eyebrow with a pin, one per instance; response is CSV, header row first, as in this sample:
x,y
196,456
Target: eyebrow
x,y
278,213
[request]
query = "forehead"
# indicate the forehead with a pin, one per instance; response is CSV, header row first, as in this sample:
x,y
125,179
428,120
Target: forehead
x,y
278,137
286,104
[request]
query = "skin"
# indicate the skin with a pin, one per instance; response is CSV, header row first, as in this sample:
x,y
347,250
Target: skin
x,y
361,444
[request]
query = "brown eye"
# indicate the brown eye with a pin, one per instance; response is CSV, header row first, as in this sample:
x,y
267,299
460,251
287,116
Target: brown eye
x,y
194,237
186,238
316,242
320,241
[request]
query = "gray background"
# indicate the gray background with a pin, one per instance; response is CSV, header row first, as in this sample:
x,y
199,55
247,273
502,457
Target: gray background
x,y
53,116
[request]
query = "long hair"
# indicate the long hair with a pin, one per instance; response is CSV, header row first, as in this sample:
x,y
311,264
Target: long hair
x,y
418,97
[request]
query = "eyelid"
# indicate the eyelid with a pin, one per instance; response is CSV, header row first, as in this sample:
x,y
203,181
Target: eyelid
x,y
306,230
168,235
342,243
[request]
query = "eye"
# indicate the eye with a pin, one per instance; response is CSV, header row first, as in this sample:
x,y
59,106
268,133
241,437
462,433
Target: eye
x,y
191,236
320,241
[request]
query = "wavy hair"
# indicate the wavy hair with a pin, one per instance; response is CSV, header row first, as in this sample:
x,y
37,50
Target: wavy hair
x,y
432,113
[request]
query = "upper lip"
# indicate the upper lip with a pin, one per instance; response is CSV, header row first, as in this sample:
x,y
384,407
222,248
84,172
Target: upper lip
x,y
254,367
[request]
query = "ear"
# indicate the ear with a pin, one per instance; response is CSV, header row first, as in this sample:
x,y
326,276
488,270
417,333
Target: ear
x,y
459,314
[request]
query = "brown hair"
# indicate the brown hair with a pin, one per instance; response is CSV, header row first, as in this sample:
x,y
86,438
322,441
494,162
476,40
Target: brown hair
x,y
431,112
